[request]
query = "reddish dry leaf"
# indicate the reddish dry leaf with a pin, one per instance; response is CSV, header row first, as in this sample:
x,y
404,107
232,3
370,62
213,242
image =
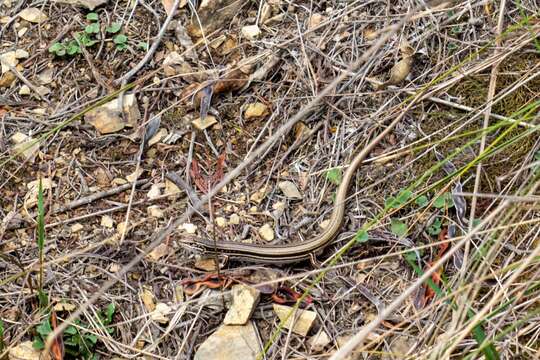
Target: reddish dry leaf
x,y
218,174
286,295
436,276
57,347
198,178
204,183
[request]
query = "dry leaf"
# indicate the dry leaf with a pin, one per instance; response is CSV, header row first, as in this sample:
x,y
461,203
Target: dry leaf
x,y
171,188
234,219
64,307
206,264
107,118
406,49
315,20
148,300
57,349
212,14
158,252
24,90
155,211
400,71
155,191
168,6
135,175
370,33
189,228
75,228
157,137
7,79
221,221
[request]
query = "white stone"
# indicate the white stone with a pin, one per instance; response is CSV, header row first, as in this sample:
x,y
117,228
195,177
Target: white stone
x,y
155,211
251,32
33,15
107,221
221,221
266,232
289,189
303,319
234,219
245,299
231,342
189,228
154,191
24,90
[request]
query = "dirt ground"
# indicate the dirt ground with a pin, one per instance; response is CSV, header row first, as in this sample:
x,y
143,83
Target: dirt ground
x,y
271,99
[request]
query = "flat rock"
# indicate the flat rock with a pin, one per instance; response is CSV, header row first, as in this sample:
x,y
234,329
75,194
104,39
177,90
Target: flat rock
x,y
160,314
89,4
8,58
212,15
251,32
266,232
289,189
303,319
319,342
33,15
205,123
256,110
107,118
230,342
107,221
155,211
245,299
154,192
24,351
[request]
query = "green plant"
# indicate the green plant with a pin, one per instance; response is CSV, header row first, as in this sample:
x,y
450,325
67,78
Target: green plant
x,y
435,228
398,227
92,28
421,201
361,236
401,199
142,46
443,201
90,35
40,239
92,16
2,343
78,341
114,28
334,176
121,41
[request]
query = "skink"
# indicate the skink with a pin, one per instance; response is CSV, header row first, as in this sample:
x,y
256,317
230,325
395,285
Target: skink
x,y
290,253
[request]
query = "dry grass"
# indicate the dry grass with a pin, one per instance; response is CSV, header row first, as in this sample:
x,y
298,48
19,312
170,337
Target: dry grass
x,y
370,295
